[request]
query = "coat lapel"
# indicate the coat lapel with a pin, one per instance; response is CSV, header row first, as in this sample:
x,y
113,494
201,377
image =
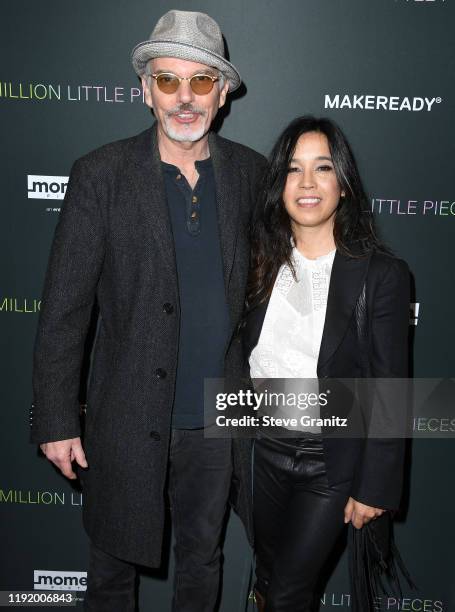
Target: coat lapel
x,y
346,282
151,196
228,197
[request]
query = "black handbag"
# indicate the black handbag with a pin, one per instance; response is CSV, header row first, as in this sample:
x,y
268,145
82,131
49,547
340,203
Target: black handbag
x,y
376,568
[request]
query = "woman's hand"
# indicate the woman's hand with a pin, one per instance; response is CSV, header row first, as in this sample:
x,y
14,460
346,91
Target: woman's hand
x,y
359,514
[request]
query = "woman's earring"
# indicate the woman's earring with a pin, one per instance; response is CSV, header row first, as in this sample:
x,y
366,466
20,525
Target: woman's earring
x,y
343,194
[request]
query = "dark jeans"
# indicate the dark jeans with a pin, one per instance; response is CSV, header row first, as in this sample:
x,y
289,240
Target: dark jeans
x,y
198,486
297,520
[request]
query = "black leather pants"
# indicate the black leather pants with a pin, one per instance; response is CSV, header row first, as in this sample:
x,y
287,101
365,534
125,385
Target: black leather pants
x,y
297,520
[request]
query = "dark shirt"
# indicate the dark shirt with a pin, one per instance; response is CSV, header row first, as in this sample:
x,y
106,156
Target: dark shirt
x,y
204,315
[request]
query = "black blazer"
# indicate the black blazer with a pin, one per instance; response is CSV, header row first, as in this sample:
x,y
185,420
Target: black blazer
x,y
365,335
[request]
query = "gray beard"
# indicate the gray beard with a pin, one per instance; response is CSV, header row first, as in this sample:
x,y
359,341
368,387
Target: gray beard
x,y
180,135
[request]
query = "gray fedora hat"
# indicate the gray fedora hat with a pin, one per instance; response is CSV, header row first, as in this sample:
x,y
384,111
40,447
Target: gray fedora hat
x,y
190,36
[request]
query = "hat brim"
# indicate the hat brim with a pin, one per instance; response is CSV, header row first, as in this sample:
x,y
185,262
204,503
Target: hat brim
x,y
145,51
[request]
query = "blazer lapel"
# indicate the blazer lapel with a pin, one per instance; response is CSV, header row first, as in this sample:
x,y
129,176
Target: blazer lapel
x,y
151,196
254,321
346,282
228,195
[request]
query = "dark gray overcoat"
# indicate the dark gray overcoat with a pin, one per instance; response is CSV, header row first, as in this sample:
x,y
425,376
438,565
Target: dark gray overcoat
x,y
113,243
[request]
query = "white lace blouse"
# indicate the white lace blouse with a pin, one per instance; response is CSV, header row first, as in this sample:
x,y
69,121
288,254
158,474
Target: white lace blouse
x,y
291,334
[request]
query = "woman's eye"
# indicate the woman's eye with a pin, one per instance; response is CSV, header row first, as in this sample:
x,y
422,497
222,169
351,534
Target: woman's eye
x,y
325,168
293,169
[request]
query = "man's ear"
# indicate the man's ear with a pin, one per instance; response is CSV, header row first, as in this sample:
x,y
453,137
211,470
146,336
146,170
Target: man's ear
x,y
223,94
146,89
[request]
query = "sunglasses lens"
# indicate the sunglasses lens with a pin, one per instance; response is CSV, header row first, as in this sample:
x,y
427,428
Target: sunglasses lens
x,y
201,84
167,83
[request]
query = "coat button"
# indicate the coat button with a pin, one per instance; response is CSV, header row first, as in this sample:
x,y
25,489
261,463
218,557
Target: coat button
x,y
155,436
160,373
168,308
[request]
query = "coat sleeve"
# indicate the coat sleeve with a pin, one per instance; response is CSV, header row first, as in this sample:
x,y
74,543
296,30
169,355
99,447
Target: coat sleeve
x,y
70,284
379,479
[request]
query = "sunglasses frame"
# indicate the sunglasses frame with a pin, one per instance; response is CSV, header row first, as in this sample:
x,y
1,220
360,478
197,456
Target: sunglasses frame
x,y
180,79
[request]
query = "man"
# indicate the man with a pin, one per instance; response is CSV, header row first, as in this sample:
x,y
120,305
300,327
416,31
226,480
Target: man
x,y
154,229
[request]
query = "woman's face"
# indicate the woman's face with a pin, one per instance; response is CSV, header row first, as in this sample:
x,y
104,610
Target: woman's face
x,y
312,192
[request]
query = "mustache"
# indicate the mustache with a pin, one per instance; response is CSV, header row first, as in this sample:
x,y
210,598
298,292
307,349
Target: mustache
x,y
186,107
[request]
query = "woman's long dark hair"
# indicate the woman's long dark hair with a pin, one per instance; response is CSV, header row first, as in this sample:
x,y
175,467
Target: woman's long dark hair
x,y
271,232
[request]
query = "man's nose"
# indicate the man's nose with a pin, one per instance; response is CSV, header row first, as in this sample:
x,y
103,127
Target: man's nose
x,y
185,93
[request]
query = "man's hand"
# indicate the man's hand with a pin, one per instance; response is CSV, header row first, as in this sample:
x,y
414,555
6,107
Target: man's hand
x,y
63,452
359,514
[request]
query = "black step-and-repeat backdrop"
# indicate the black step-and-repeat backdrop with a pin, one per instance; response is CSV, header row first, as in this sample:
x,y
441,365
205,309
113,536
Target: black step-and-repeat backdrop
x,y
384,69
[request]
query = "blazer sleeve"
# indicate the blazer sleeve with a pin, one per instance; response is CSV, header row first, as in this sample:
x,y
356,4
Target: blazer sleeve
x,y
379,479
70,284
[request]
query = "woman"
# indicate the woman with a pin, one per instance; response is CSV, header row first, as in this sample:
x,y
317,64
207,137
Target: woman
x,y
324,299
